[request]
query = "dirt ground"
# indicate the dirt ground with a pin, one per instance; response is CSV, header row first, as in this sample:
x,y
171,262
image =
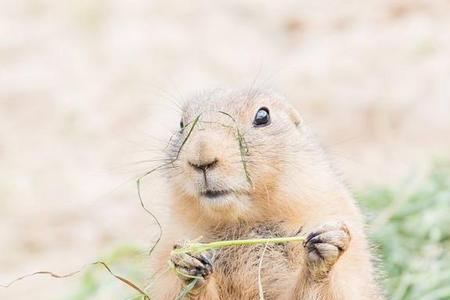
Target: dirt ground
x,y
88,87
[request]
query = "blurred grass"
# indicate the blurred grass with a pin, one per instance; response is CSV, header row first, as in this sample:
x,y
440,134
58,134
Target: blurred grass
x,y
411,228
409,224
96,283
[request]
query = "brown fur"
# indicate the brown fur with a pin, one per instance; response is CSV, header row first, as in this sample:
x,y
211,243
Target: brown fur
x,y
292,190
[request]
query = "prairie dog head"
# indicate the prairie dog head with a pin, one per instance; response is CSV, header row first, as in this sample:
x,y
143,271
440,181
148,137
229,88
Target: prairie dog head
x,y
230,152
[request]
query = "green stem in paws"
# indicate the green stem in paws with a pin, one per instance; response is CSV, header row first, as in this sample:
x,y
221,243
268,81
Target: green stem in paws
x,y
187,289
195,247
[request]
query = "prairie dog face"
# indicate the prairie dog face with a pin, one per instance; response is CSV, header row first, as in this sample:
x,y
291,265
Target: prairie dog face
x,y
230,151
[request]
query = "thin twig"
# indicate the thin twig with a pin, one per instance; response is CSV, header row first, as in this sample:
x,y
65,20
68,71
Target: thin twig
x,y
194,123
243,147
138,185
260,287
201,247
54,275
187,289
138,182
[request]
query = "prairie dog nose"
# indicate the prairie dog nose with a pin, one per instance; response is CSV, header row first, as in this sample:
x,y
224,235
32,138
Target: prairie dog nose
x,y
203,165
202,154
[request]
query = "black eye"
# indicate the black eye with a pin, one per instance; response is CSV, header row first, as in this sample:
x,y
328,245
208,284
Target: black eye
x,y
181,124
262,117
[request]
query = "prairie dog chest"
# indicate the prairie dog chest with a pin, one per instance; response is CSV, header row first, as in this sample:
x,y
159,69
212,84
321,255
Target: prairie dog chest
x,y
240,270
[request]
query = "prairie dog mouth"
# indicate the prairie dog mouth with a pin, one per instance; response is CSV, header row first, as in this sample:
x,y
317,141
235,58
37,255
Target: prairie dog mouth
x,y
213,194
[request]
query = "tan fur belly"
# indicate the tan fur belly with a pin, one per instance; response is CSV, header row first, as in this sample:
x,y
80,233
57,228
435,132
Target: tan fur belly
x,y
239,269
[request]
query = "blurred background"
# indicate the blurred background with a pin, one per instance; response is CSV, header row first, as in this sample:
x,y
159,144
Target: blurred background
x,y
88,87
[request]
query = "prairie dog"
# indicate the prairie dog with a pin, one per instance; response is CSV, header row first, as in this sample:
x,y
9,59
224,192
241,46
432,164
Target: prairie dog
x,y
245,166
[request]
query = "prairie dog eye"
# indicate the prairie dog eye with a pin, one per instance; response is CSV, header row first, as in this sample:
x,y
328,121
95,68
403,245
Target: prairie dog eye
x,y
181,124
262,117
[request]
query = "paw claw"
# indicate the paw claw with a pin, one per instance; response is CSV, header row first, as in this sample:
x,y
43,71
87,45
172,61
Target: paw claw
x,y
325,245
190,265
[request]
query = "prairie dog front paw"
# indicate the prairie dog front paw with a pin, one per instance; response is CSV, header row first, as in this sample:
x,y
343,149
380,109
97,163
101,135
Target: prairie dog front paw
x,y
190,266
324,246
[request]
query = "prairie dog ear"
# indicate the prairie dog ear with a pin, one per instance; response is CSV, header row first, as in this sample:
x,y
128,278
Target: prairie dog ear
x,y
295,116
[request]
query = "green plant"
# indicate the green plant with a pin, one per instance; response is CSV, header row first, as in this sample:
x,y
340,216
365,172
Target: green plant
x,y
411,228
